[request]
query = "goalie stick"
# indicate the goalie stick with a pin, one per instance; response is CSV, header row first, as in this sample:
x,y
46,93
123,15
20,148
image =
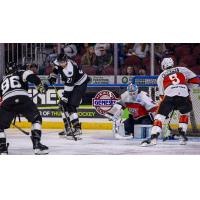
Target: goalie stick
x,y
62,110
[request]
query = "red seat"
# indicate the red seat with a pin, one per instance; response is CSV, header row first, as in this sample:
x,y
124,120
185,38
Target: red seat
x,y
188,61
108,71
182,51
195,69
196,50
89,70
132,60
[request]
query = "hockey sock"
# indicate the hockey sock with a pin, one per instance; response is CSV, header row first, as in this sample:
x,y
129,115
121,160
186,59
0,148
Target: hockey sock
x,y
66,120
183,122
75,120
157,124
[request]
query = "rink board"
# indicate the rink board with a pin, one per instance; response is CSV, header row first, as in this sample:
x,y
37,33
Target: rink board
x,y
86,124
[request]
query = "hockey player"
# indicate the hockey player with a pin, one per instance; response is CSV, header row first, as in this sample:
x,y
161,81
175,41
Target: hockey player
x,y
141,108
75,85
173,85
15,101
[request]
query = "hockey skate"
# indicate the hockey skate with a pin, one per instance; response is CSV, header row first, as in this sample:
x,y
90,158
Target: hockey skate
x,y
169,137
183,138
38,148
73,134
150,141
4,147
65,132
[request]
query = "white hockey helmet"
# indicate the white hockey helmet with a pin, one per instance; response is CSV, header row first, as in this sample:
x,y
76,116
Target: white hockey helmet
x,y
167,63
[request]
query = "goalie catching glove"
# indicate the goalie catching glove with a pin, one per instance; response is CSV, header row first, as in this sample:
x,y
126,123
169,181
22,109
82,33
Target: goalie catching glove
x,y
42,88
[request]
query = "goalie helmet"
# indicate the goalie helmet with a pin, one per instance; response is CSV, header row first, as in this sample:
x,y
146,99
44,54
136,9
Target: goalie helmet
x,y
11,67
132,89
167,63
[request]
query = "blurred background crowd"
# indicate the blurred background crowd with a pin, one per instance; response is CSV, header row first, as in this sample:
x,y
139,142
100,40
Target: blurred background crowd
x,y
100,58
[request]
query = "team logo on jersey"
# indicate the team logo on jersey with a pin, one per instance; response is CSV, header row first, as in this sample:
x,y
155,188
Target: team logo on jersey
x,y
103,101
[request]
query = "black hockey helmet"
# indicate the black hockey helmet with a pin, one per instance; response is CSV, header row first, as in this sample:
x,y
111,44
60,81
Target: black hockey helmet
x,y
11,67
61,57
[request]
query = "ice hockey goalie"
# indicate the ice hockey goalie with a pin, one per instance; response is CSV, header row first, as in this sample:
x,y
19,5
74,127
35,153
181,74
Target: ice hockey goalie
x,y
140,106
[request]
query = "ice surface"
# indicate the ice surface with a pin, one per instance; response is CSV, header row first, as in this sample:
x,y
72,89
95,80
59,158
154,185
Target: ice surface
x,y
97,143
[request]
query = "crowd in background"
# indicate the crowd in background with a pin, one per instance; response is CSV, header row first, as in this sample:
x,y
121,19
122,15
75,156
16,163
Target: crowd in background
x,y
133,58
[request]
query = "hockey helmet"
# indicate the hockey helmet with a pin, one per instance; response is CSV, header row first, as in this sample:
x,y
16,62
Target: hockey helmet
x,y
62,57
10,68
132,89
167,63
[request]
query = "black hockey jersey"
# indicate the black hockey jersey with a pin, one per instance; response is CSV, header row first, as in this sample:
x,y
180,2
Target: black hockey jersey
x,y
16,84
71,75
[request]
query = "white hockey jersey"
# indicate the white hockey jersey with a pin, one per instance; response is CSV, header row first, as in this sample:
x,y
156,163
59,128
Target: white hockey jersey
x,y
175,81
138,106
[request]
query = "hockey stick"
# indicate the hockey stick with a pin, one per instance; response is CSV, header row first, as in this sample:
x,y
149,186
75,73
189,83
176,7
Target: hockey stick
x,y
168,128
19,128
62,110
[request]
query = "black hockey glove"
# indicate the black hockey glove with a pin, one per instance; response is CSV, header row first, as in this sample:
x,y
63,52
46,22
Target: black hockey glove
x,y
42,88
63,101
52,78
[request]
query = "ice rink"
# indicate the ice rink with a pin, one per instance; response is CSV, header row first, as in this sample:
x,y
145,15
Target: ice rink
x,y
97,143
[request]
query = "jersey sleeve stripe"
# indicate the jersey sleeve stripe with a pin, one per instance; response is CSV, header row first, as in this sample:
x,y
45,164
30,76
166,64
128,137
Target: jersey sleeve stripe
x,y
68,88
194,80
26,74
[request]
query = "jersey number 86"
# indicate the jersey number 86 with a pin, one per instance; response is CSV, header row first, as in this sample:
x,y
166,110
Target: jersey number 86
x,y
10,83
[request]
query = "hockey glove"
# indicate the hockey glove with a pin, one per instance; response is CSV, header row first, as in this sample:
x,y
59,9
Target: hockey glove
x,y
52,78
63,101
42,88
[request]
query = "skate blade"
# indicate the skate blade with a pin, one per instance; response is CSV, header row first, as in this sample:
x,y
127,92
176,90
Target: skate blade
x,y
120,137
182,142
39,152
72,138
145,144
4,153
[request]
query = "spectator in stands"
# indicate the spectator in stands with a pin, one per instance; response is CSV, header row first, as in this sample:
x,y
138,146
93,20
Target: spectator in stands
x,y
89,58
142,72
141,50
53,55
34,68
70,50
130,70
103,57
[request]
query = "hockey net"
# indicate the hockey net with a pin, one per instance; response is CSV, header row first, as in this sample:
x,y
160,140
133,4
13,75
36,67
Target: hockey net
x,y
149,85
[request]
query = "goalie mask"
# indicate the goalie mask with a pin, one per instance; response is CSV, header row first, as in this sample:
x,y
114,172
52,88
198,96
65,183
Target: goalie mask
x,y
10,68
167,63
132,89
